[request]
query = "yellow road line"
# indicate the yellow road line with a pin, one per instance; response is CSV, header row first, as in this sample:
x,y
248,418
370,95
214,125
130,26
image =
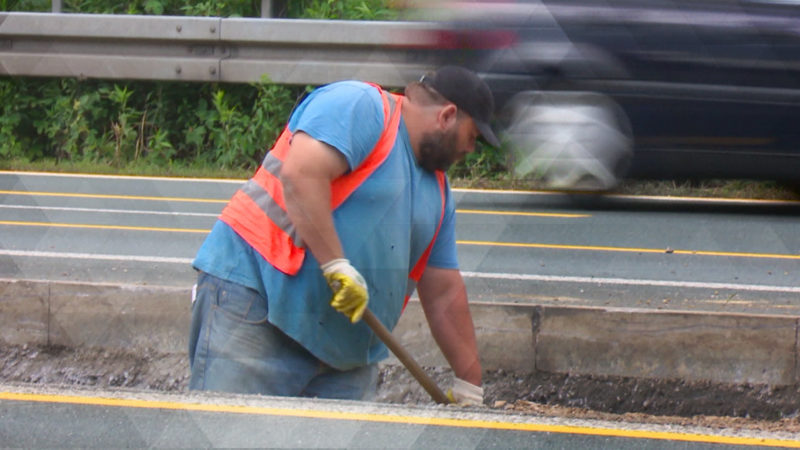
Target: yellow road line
x,y
629,249
114,196
103,227
414,420
476,243
122,177
211,200
523,213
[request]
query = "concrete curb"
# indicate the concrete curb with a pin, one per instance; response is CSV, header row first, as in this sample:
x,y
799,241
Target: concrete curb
x,y
641,343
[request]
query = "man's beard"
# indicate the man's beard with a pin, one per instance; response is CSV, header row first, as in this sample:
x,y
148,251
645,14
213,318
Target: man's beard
x,y
438,150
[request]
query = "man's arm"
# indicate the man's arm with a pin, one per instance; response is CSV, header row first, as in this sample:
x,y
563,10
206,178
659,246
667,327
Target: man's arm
x,y
307,173
444,300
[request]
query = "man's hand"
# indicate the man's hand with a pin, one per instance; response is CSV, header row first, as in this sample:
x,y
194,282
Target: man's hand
x,y
464,393
349,288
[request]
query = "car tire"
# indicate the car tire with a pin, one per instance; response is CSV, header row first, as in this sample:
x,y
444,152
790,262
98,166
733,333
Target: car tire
x,y
567,140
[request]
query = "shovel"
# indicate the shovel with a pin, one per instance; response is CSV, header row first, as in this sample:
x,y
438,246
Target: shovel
x,y
401,354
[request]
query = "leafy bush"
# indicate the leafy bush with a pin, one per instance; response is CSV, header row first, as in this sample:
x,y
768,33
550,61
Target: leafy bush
x,y
26,5
340,9
229,126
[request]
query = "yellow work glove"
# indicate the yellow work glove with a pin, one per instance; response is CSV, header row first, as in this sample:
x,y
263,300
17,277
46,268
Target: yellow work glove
x,y
464,393
350,295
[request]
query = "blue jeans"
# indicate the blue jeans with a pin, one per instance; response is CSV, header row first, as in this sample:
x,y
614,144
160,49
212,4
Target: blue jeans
x,y
233,348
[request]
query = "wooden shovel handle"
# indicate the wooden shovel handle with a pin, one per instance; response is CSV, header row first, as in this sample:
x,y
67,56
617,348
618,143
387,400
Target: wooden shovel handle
x,y
386,337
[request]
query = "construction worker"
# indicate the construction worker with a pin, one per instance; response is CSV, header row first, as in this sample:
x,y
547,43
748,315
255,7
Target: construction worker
x,y
350,209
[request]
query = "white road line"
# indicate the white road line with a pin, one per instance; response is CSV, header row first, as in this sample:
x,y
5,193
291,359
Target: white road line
x,y
123,177
482,275
113,211
96,256
649,198
632,282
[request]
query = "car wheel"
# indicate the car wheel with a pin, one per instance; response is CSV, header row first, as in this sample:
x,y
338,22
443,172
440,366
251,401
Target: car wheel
x,y
568,140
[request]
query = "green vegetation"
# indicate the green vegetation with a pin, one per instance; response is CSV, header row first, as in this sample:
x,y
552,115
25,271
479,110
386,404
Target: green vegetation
x,y
339,9
311,9
141,123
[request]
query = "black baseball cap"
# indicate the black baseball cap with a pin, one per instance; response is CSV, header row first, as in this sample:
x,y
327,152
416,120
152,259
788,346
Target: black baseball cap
x,y
469,93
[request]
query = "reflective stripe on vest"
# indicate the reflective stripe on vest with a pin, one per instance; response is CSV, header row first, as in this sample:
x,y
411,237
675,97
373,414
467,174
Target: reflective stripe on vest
x,y
419,267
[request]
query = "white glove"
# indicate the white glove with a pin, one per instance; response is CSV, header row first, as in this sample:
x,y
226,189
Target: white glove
x,y
464,393
350,295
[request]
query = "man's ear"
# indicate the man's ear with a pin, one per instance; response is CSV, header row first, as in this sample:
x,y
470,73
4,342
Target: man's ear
x,y
447,116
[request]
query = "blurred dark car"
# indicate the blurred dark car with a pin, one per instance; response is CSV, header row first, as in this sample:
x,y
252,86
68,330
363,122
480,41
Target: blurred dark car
x,y
589,91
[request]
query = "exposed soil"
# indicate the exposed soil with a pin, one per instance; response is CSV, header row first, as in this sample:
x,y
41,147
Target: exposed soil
x,y
608,398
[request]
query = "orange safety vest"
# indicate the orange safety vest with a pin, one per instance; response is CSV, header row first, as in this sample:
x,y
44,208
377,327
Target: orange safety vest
x,y
257,211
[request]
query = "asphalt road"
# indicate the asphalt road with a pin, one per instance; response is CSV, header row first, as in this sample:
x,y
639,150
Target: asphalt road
x,y
715,255
33,417
525,247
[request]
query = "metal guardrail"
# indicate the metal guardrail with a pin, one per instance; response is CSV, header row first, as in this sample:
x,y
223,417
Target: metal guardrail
x,y
232,50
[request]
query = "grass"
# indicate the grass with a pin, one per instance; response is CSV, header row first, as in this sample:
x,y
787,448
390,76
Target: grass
x,y
740,189
744,189
174,170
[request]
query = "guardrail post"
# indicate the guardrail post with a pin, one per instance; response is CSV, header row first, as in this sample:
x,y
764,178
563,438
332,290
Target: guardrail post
x,y
266,8
56,6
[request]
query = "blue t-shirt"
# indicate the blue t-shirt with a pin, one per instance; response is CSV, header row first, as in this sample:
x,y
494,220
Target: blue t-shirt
x,y
384,226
